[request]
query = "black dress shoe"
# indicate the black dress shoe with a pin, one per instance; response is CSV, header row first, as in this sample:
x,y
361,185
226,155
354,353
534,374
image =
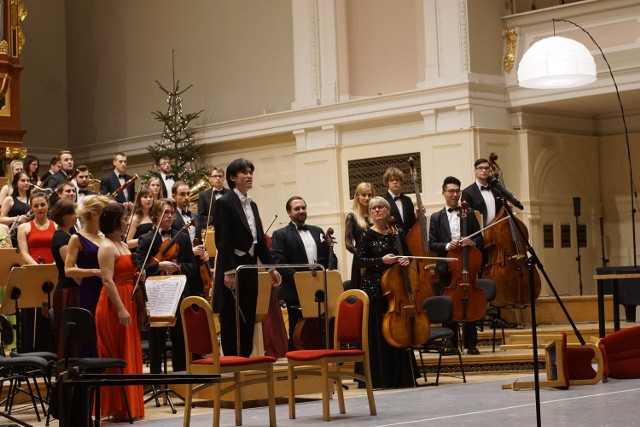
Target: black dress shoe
x,y
449,351
473,350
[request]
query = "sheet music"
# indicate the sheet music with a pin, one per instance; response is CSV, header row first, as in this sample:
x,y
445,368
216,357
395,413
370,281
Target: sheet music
x,y
163,294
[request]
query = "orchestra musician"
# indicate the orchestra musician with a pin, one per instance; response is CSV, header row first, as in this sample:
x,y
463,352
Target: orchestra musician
x,y
356,223
185,263
116,179
16,206
64,190
377,252
216,179
82,182
240,240
30,165
297,243
167,178
66,169
180,193
155,184
54,166
401,205
479,196
12,170
444,235
141,222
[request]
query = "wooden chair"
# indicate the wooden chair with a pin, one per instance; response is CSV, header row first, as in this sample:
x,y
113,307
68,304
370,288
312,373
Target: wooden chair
x,y
200,337
352,326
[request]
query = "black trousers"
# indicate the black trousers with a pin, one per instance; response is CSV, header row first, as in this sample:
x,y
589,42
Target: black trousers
x,y
157,347
247,289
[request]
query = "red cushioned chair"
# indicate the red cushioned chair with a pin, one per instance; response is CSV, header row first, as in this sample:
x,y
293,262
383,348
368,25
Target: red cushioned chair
x,y
621,352
200,337
351,326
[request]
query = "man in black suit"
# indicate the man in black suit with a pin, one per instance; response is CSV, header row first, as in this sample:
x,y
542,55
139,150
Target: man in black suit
x,y
216,179
82,182
401,206
167,178
66,169
180,193
444,235
240,240
479,196
298,243
54,167
185,262
116,179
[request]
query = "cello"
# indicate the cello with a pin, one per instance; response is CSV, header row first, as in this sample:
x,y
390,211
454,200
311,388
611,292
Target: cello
x,y
404,325
506,251
418,244
469,301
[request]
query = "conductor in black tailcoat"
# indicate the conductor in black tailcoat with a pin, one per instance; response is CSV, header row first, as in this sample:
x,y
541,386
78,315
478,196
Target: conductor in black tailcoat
x,y
216,179
185,263
298,243
240,240
116,179
401,205
444,235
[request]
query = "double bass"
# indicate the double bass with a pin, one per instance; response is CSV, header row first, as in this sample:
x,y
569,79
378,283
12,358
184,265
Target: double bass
x,y
404,325
418,244
469,301
506,251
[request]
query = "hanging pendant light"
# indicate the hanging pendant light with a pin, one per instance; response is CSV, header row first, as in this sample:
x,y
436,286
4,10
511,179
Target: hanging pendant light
x,y
556,63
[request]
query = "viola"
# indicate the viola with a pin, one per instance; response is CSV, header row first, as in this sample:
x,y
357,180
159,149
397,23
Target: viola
x,y
469,301
205,275
404,325
310,332
418,244
506,250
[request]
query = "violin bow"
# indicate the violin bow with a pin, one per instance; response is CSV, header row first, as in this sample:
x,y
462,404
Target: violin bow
x,y
482,229
146,257
135,204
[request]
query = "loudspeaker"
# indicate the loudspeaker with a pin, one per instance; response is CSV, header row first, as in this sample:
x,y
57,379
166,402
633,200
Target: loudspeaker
x,y
576,206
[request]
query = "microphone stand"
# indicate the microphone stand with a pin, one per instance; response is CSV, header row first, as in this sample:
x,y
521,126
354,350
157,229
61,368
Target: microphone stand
x,y
605,260
576,212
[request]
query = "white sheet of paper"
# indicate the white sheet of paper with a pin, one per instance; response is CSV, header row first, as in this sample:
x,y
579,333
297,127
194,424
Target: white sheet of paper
x,y
163,294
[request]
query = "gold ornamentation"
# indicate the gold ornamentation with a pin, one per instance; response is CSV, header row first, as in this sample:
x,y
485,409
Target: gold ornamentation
x,y
4,47
15,153
510,57
4,84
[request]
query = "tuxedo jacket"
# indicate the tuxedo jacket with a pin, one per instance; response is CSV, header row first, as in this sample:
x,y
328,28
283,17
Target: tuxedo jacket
x,y
440,235
287,248
189,265
166,192
233,236
111,183
475,201
178,223
55,180
203,206
404,225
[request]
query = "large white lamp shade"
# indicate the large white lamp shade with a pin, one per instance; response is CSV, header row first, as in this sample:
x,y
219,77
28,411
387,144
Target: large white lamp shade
x,y
556,63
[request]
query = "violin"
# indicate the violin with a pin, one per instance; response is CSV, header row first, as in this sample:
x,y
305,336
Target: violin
x,y
205,274
404,325
169,249
469,301
310,332
418,244
506,250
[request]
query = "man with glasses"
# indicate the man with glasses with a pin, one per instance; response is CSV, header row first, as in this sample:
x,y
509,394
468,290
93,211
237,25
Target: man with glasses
x,y
163,166
445,235
216,179
479,196
401,205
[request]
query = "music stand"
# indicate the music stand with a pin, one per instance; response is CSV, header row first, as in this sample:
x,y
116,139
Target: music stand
x,y
29,286
308,284
9,258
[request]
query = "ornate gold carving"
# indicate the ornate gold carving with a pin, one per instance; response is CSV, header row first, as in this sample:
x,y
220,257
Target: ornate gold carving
x,y
15,153
4,47
4,84
510,58
17,14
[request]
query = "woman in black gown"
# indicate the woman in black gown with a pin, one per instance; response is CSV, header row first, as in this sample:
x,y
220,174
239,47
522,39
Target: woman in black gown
x,y
377,251
356,223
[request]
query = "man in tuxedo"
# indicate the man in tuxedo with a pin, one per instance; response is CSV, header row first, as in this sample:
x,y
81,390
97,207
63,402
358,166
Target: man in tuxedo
x,y
82,182
401,205
66,169
444,235
479,196
216,179
240,240
298,243
116,179
180,193
54,166
186,262
163,166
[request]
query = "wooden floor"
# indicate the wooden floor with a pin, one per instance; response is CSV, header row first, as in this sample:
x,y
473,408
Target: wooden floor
x,y
501,366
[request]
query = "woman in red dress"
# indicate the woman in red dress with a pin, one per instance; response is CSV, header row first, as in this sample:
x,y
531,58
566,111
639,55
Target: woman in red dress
x,y
116,319
34,237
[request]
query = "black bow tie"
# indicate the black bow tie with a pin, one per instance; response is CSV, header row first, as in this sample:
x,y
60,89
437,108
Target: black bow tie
x,y
396,198
83,192
121,176
186,213
165,233
171,177
216,192
457,208
302,227
483,188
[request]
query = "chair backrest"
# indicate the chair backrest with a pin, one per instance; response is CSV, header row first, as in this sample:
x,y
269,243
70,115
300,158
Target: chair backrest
x,y
439,309
352,319
200,335
489,288
78,325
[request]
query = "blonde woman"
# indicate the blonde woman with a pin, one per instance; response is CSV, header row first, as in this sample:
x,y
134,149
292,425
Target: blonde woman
x,y
155,184
356,223
81,263
14,168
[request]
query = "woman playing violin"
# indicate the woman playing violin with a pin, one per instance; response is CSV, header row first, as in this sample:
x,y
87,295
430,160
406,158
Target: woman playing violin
x,y
444,235
377,252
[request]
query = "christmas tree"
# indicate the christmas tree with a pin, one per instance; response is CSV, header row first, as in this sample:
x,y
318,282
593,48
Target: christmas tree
x,y
177,140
